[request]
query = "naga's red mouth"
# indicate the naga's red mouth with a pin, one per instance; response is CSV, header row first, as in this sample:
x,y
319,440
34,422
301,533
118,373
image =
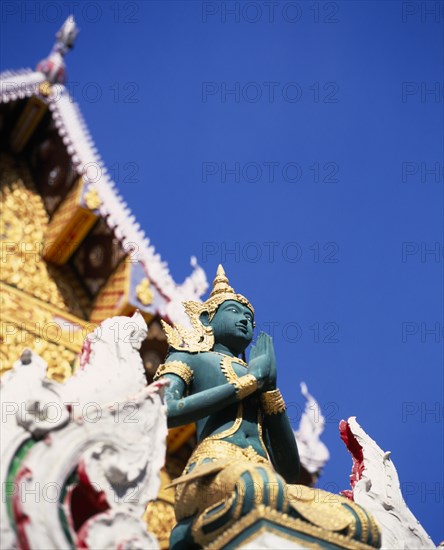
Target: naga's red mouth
x,y
355,450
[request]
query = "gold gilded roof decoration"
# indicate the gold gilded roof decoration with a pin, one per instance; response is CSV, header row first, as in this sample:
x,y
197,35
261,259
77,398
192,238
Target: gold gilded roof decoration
x,y
61,360
92,198
144,293
45,88
113,297
23,221
68,226
43,319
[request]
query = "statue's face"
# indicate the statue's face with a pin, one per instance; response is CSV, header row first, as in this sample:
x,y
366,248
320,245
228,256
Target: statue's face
x,y
233,326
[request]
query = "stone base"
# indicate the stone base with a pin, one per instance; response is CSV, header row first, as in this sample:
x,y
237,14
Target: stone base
x,y
267,540
265,528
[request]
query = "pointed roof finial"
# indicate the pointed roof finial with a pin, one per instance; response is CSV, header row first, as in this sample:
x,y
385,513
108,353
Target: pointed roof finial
x,y
53,67
66,36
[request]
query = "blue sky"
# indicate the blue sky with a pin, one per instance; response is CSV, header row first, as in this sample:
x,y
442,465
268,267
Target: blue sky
x,y
300,136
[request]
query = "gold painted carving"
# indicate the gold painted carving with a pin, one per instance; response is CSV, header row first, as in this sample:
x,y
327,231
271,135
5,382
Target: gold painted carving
x,y
182,370
29,323
272,402
195,490
45,88
23,222
320,507
160,520
200,338
92,198
64,212
68,226
179,436
40,309
61,360
31,115
144,293
113,298
214,497
43,320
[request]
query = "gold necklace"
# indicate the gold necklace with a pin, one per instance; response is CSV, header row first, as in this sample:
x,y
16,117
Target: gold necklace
x,y
228,371
232,359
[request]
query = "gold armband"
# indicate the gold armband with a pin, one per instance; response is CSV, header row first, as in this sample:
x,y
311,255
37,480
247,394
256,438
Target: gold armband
x,y
272,402
182,370
245,385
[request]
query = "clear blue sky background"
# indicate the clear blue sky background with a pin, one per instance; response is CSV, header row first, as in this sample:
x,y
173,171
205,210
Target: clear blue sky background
x,y
338,300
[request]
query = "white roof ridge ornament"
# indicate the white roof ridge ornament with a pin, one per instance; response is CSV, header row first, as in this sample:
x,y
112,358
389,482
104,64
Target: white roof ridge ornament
x,y
53,67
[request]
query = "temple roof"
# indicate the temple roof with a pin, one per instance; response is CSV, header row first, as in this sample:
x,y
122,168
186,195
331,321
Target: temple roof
x,y
86,161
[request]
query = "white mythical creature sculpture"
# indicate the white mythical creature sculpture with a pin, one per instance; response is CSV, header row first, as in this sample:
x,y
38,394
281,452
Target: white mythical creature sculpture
x,y
110,363
100,438
375,486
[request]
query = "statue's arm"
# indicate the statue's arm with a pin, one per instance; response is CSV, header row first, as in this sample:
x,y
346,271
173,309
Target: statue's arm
x,y
278,434
281,445
183,408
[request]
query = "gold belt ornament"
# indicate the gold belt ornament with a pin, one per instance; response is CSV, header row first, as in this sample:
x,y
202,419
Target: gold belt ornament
x,y
214,449
221,454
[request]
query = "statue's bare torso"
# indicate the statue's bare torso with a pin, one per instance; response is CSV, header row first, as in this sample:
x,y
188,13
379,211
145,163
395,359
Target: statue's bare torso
x,y
207,373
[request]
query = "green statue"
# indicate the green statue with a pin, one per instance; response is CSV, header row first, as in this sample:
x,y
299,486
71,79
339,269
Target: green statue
x,y
246,462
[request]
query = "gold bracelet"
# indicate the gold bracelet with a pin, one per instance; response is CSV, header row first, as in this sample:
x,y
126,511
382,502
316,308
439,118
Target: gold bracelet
x,y
245,386
272,402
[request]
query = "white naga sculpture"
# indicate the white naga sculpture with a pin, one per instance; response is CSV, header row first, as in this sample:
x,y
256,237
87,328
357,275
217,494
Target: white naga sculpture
x,y
374,479
375,486
94,445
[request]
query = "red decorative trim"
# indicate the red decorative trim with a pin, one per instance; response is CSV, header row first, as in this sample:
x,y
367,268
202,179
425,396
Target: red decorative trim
x,y
93,502
355,450
82,536
21,519
97,497
86,353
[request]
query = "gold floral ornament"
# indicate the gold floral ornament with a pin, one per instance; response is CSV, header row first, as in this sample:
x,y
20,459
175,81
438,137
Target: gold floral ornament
x,y
92,199
200,337
45,88
144,293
